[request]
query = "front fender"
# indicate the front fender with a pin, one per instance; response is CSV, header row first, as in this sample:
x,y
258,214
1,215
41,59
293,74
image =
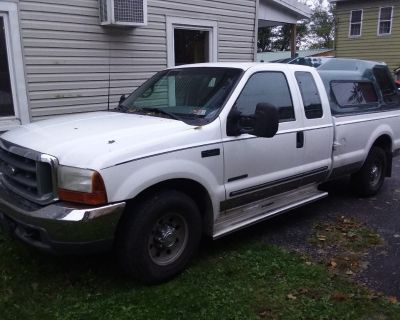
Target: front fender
x,y
126,181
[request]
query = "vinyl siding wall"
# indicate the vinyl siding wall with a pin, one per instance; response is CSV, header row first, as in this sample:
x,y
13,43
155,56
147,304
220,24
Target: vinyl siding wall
x,y
369,45
71,62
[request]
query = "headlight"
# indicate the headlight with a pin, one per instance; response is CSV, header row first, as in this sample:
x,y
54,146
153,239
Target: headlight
x,y
81,185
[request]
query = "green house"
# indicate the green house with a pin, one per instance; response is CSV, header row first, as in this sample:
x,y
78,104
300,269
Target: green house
x,y
368,29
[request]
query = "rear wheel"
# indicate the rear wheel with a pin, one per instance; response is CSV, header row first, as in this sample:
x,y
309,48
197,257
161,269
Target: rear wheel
x,y
369,179
158,239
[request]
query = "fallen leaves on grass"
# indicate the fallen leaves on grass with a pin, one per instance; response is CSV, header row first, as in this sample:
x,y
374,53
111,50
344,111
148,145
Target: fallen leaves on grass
x,y
339,296
393,300
266,314
343,243
345,233
291,296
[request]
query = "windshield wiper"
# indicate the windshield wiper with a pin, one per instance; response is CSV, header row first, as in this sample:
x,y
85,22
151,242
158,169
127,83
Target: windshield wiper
x,y
121,108
162,111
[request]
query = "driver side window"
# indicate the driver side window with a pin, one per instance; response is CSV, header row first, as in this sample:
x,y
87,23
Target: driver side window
x,y
266,87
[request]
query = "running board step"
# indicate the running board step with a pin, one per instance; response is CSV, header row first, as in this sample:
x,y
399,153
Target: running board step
x,y
250,214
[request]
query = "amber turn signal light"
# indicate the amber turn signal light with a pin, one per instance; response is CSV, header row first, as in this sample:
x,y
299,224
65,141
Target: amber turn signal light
x,y
98,196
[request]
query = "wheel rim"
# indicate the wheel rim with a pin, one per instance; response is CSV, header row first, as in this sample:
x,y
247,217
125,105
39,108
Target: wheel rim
x,y
375,173
167,239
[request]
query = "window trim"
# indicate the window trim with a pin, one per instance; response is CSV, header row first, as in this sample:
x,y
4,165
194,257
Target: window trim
x,y
9,12
379,22
191,24
361,23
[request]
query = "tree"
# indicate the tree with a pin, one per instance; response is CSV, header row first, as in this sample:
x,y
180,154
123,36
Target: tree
x,y
316,32
264,39
278,38
283,36
322,26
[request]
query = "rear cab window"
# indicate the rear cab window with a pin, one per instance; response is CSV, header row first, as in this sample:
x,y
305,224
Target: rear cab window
x,y
309,94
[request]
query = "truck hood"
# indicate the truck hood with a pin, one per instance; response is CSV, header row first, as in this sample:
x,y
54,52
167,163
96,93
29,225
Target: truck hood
x,y
102,139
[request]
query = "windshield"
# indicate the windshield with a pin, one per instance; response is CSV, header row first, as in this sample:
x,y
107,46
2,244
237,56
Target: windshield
x,y
194,95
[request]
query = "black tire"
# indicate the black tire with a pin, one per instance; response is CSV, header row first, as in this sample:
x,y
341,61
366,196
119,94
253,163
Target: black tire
x,y
369,179
158,238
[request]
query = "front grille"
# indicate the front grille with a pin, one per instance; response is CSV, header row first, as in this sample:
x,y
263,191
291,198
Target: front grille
x,y
28,173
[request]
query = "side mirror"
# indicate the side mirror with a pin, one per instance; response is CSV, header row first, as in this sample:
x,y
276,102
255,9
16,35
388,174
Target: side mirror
x,y
264,123
266,120
122,99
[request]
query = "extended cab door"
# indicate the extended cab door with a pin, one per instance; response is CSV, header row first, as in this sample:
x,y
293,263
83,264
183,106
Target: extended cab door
x,y
256,168
317,129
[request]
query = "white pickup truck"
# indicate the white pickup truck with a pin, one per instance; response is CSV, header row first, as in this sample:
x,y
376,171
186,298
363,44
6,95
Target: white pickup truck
x,y
197,150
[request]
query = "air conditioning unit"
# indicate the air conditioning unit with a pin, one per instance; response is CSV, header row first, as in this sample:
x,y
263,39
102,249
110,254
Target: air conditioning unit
x,y
128,13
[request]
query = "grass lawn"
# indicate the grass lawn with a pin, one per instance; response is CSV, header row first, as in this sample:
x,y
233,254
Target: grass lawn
x,y
231,279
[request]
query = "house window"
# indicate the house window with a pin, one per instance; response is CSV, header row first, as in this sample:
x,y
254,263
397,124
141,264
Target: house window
x,y
191,41
385,21
13,95
355,23
191,46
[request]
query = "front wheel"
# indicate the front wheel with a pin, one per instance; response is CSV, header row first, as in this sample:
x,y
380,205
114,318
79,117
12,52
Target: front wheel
x,y
158,239
369,179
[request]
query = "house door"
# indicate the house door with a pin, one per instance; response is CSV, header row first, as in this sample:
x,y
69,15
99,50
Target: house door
x,y
6,92
13,96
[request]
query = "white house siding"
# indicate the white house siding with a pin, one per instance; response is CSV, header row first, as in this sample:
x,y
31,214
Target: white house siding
x,y
70,58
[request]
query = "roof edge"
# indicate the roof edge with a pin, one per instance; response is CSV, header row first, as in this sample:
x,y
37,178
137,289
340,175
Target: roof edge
x,y
295,6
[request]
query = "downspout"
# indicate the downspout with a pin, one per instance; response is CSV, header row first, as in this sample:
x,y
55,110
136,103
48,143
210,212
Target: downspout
x,y
109,75
256,30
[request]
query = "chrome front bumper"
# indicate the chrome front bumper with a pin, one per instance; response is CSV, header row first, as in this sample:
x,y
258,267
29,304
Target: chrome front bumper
x,y
60,227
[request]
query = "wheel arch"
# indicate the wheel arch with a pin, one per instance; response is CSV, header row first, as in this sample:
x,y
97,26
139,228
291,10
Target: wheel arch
x,y
191,188
385,143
